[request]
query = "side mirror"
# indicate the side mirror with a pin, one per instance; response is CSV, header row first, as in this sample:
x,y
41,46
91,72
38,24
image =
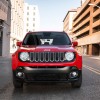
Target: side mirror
x,y
75,44
19,43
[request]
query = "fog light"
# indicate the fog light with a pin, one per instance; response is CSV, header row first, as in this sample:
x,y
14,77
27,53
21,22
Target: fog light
x,y
73,74
19,74
20,68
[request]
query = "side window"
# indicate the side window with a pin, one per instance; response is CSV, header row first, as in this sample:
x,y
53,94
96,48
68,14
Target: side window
x,y
30,40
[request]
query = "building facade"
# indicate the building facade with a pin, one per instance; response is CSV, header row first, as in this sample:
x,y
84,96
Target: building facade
x,y
5,24
31,18
83,1
68,20
17,25
86,28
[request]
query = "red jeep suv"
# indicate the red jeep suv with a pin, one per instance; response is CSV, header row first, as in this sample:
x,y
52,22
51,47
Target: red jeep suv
x,y
46,57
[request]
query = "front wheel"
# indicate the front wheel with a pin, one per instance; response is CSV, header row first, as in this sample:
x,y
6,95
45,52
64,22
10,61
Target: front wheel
x,y
17,84
77,84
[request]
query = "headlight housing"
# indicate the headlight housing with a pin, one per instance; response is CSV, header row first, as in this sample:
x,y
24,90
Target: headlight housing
x,y
69,56
24,56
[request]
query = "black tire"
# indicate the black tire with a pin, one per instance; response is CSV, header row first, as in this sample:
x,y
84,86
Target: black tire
x,y
17,84
77,84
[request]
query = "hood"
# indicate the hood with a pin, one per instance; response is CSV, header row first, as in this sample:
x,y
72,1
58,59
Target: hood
x,y
48,48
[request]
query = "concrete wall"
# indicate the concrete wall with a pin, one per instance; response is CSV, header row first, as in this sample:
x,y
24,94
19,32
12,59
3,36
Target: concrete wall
x,y
6,34
86,27
3,9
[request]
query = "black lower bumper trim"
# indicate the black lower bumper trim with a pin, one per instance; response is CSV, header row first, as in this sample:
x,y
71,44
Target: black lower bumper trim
x,y
51,81
46,74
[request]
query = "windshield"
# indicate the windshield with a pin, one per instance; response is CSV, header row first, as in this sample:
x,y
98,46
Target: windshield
x,y
47,38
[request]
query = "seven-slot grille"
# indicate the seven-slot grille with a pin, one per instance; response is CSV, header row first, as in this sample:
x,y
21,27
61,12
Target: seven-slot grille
x,y
47,56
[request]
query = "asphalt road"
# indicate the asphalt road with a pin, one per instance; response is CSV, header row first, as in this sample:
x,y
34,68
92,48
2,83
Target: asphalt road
x,y
90,89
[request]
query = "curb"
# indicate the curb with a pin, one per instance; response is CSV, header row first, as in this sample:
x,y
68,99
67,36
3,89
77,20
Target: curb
x,y
98,58
4,58
93,57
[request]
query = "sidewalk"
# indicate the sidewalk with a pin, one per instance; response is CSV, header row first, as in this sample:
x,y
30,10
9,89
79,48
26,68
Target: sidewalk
x,y
5,71
4,58
93,57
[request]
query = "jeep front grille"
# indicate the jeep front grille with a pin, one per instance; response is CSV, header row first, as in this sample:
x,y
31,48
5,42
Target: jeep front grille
x,y
47,56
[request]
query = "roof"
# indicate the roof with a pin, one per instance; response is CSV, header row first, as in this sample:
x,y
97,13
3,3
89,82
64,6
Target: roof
x,y
72,10
45,31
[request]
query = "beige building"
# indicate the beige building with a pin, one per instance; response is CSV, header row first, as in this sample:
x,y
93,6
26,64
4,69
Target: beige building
x,y
68,20
31,18
86,28
17,10
5,23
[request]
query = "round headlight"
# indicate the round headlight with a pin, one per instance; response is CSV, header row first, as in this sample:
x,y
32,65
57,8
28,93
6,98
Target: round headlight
x,y
24,56
69,56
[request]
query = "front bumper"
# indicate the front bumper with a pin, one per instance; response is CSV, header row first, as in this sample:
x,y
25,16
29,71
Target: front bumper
x,y
46,74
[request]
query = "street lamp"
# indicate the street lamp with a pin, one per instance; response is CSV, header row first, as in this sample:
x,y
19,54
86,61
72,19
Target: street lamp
x,y
91,4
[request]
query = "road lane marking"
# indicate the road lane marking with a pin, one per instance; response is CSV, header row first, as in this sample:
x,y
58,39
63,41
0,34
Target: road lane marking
x,y
97,58
92,69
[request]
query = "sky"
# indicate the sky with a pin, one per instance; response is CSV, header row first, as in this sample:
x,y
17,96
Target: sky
x,y
52,12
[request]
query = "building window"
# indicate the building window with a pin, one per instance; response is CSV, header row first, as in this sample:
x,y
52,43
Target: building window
x,y
27,8
34,8
34,13
33,25
33,19
26,30
27,19
27,24
27,13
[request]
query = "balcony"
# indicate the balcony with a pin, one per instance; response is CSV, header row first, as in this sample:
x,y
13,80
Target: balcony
x,y
96,23
94,38
81,9
81,17
97,2
97,12
80,25
81,32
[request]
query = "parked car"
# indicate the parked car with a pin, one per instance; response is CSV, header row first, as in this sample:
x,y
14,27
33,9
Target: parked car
x,y
47,57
